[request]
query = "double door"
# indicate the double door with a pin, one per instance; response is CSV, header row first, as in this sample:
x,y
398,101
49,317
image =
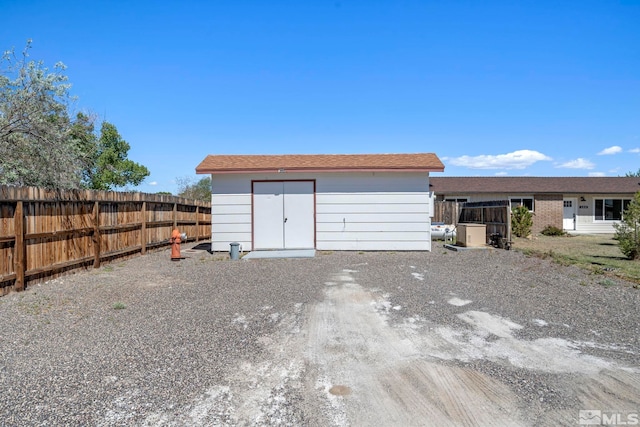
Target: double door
x,y
283,215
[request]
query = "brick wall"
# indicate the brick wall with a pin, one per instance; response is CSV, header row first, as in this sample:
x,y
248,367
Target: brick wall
x,y
548,210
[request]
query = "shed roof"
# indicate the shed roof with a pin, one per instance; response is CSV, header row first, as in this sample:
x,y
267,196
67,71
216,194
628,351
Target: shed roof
x,y
535,185
224,164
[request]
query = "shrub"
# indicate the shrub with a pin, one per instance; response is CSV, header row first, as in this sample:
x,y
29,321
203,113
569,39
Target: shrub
x,y
550,230
521,221
628,230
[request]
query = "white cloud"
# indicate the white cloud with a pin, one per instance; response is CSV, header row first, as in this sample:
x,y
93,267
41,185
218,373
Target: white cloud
x,y
517,160
611,150
597,174
153,183
501,173
635,150
579,163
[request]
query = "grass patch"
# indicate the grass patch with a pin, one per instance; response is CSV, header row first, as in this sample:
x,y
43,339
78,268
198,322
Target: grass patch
x,y
37,305
599,254
607,283
119,306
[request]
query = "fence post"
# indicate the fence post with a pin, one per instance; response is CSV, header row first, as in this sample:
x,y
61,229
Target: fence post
x,y
197,223
20,259
143,228
96,234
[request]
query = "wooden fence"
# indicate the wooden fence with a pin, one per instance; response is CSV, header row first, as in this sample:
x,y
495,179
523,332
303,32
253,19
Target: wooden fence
x,y
45,233
447,212
495,214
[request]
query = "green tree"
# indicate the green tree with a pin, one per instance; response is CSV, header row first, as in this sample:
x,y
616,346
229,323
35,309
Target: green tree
x,y
83,138
631,174
200,190
627,231
110,168
34,125
521,221
40,145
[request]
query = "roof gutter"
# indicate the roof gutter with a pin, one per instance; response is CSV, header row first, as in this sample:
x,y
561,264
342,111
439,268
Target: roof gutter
x,y
312,170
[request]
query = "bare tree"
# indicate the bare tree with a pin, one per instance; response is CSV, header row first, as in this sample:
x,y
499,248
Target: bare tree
x,y
200,190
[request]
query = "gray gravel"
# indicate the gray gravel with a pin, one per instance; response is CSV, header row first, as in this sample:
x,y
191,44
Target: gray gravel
x,y
138,342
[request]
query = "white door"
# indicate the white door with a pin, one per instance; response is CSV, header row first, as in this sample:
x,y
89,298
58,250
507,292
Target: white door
x,y
283,215
299,221
268,205
569,214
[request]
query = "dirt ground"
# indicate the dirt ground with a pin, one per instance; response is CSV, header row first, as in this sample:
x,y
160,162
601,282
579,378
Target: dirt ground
x,y
471,338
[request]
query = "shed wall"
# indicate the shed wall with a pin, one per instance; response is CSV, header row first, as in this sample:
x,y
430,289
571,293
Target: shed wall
x,y
354,211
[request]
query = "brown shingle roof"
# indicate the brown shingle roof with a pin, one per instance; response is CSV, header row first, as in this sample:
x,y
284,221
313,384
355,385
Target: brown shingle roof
x,y
535,185
419,162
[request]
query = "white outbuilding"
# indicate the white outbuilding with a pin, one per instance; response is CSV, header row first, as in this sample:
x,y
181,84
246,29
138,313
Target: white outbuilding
x,y
321,201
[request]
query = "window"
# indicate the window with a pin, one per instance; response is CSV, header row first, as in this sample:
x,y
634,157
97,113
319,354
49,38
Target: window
x,y
522,201
610,209
453,199
568,203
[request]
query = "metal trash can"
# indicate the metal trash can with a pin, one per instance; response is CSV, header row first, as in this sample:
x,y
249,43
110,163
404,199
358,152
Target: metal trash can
x,y
234,252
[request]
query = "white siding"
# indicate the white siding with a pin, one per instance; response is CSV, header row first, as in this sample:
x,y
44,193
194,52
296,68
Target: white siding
x,y
326,205
585,218
353,226
354,211
230,212
380,218
594,228
373,212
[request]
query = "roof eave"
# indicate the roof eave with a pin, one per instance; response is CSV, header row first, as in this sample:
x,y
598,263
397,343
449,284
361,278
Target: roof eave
x,y
313,170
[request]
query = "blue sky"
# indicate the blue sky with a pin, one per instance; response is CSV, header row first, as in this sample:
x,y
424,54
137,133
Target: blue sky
x,y
538,88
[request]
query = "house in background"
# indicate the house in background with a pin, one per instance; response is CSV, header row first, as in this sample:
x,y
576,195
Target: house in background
x,y
323,201
581,205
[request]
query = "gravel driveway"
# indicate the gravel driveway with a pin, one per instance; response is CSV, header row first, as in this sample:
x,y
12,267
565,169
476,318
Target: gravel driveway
x,y
482,337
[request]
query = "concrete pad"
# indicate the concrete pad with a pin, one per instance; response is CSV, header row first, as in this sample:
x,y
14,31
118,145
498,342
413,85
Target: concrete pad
x,y
465,248
287,253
